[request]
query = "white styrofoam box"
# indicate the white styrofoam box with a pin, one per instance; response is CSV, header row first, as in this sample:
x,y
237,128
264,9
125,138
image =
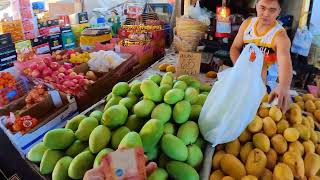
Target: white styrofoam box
x,y
23,143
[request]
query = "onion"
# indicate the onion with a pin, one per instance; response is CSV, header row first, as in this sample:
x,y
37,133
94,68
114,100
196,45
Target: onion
x,y
41,66
47,61
34,66
67,65
61,75
69,84
62,70
54,66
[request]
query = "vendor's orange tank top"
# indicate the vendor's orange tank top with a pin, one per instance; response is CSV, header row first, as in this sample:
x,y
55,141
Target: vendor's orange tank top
x,y
264,41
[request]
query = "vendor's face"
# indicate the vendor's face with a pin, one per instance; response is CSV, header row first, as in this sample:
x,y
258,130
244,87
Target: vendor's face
x,y
268,11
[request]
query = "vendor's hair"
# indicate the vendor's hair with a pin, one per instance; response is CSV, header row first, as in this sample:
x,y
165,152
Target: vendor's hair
x,y
279,1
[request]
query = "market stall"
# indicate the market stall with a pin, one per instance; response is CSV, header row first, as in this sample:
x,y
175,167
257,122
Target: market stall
x,y
135,90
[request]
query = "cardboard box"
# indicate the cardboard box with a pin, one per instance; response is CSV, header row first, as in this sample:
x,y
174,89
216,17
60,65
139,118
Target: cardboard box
x,y
49,117
41,45
55,42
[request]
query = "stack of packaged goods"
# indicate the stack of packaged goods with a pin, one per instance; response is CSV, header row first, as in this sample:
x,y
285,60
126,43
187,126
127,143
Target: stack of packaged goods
x,y
14,28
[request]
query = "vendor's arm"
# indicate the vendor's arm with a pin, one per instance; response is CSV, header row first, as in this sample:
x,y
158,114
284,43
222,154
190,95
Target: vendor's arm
x,y
283,44
237,44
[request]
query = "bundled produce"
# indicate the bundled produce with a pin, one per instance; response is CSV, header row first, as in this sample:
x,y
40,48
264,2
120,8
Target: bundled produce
x,y
103,61
80,57
275,145
159,114
6,80
36,95
22,124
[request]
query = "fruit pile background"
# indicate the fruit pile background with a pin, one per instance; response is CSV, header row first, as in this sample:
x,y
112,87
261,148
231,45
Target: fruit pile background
x,y
275,145
159,114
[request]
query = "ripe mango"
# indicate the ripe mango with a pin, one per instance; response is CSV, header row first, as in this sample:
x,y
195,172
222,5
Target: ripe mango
x,y
256,163
180,85
263,112
99,138
267,175
118,135
162,112
232,166
308,96
216,175
275,113
60,171
174,148
121,89
181,112
261,141
228,178
217,158
173,96
96,114
113,101
282,126
35,154
85,128
233,147
181,171
249,177
134,123
151,91
310,106
49,160
272,158
76,148
151,134
80,164
245,136
115,116
195,112
143,109
295,163
158,174
297,147
291,134
304,132
282,172
169,128
308,147
74,122
269,126
195,156
59,138
100,155
311,164
130,140
279,144
314,136
156,78
295,116
191,95
255,125
245,150
188,132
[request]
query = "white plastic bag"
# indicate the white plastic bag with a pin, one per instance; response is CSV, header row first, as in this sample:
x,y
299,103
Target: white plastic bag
x,y
234,99
196,12
301,43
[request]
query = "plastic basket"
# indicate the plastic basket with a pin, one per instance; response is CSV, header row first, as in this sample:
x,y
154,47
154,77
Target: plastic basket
x,y
9,94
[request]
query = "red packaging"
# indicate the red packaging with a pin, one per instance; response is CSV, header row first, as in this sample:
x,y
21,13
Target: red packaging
x,y
125,164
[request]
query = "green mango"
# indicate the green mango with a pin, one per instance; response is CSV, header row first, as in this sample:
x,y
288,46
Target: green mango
x,y
121,89
49,160
169,128
76,148
134,123
60,171
128,102
130,140
135,89
181,171
156,78
74,122
191,95
201,99
180,85
60,138
100,155
164,88
162,112
115,116
99,138
143,109
181,111
151,134
173,96
86,127
151,90
195,112
158,174
80,165
36,152
118,135
205,87
195,156
96,114
188,132
113,101
174,148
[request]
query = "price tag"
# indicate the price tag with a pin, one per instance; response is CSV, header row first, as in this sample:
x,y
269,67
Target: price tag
x,y
188,63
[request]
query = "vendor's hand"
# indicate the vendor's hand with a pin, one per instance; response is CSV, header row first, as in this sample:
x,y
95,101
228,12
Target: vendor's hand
x,y
282,93
99,174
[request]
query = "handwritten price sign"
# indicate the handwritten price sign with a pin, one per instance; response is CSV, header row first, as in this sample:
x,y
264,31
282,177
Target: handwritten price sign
x,y
188,63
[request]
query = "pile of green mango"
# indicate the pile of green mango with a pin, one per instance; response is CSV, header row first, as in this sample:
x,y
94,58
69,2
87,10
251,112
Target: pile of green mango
x,y
159,114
